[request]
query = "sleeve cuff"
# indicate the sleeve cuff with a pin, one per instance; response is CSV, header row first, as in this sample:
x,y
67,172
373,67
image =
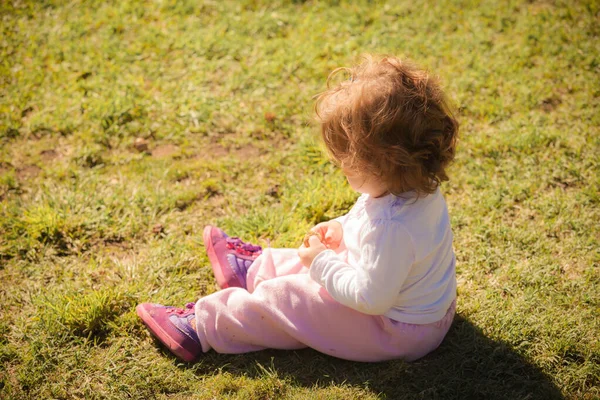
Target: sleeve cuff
x,y
319,264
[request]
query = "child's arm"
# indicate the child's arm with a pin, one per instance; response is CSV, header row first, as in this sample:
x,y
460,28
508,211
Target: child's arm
x,y
387,253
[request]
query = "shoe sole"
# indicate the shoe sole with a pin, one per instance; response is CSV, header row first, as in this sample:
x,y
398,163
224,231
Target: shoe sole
x,y
158,332
214,261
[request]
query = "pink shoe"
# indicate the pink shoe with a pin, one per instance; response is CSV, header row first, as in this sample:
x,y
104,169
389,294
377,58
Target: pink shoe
x,y
230,257
173,327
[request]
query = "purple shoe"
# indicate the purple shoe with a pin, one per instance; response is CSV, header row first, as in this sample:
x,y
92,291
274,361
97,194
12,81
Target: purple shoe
x,y
173,327
229,257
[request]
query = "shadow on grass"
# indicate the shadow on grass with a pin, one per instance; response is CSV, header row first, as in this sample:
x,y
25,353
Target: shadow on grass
x,y
467,365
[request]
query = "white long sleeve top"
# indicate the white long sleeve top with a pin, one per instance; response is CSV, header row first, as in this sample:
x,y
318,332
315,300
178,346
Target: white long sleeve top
x,y
396,259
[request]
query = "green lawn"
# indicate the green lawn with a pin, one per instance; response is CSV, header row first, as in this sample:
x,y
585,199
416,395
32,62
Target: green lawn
x,y
222,93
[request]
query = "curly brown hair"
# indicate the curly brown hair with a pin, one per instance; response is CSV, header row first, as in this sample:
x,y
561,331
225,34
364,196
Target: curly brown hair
x,y
390,120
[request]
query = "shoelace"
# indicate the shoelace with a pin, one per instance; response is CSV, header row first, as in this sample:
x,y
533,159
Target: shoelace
x,y
247,249
189,307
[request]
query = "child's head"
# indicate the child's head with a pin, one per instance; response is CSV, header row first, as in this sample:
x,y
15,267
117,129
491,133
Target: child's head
x,y
390,123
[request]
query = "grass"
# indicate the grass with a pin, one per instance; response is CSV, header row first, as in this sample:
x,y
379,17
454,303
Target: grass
x,y
222,93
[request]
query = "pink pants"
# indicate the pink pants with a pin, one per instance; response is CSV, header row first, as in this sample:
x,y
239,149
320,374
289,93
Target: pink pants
x,y
284,308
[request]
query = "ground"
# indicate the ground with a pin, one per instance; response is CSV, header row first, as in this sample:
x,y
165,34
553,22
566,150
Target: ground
x,y
125,127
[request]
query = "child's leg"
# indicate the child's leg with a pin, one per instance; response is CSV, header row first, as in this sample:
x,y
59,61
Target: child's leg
x,y
231,259
293,311
274,263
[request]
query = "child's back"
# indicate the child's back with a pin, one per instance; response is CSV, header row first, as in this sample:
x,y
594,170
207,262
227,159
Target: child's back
x,y
401,258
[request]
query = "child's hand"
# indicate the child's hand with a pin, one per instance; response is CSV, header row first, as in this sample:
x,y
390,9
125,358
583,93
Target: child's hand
x,y
331,233
308,254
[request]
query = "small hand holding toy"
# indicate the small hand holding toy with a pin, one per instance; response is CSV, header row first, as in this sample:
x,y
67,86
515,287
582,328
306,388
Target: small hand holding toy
x,y
309,234
330,233
326,235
